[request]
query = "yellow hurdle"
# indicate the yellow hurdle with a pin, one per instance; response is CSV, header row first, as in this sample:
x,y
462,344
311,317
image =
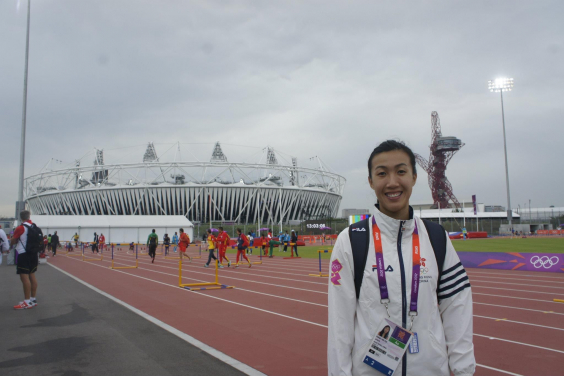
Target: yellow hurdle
x,y
320,274
203,285
559,300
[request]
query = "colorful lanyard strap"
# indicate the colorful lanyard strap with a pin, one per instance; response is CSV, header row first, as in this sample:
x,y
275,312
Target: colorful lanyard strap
x,y
384,298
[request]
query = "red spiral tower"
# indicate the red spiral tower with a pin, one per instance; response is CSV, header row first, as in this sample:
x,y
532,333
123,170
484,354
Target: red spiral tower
x,y
442,150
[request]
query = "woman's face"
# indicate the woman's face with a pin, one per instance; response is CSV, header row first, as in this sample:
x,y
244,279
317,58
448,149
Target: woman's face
x,y
392,179
386,330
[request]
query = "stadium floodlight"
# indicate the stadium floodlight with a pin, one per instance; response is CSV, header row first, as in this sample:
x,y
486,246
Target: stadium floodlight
x,y
499,85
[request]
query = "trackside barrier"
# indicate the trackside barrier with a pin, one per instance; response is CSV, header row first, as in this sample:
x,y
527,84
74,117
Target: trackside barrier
x,y
319,252
203,285
124,267
91,259
292,249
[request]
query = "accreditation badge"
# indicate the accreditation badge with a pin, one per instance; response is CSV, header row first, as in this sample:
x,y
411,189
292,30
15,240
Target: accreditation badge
x,y
387,347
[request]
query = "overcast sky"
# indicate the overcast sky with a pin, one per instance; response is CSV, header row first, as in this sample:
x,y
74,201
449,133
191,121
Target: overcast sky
x,y
326,78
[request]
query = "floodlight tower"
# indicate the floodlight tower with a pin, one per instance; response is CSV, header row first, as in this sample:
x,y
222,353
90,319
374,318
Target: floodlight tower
x,y
498,86
442,149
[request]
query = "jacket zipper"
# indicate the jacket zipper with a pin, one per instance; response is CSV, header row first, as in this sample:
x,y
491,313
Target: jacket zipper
x,y
403,294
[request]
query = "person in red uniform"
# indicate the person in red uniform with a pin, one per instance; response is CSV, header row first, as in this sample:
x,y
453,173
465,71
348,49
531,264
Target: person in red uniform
x,y
242,244
102,241
222,242
183,244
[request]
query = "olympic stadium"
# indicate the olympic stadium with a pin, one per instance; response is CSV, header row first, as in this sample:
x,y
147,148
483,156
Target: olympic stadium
x,y
240,185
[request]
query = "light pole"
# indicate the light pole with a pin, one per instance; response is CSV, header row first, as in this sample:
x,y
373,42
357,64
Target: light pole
x,y
20,205
499,85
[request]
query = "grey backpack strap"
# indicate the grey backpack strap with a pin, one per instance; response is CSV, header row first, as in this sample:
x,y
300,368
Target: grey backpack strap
x,y
360,240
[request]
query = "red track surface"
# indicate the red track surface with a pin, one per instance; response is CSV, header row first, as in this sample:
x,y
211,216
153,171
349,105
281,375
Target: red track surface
x,y
275,320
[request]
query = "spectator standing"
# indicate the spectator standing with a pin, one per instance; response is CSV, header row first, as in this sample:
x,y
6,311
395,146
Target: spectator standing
x,y
286,241
75,238
4,244
49,242
152,242
45,244
54,243
27,239
251,240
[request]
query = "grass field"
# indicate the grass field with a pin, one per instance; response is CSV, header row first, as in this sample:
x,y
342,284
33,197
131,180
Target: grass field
x,y
527,245
539,245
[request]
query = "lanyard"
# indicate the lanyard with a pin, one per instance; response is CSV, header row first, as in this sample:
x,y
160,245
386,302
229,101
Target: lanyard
x,y
384,298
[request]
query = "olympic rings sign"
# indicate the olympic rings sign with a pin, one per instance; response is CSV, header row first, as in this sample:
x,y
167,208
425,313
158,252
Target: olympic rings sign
x,y
544,261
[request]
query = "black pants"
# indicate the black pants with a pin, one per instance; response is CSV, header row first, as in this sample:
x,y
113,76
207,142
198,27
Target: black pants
x,y
211,256
152,251
95,247
54,249
285,246
296,250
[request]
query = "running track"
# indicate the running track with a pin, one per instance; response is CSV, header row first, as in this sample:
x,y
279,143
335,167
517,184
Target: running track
x,y
275,320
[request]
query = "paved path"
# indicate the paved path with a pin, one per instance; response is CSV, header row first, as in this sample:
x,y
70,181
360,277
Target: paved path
x,y
76,331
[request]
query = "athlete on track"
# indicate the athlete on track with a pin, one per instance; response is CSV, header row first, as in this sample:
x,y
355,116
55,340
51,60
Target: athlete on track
x,y
166,243
222,242
242,244
211,248
152,242
183,244
175,241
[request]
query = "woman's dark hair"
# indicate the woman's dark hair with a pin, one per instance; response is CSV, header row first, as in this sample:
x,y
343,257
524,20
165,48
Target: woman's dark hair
x,y
382,334
390,145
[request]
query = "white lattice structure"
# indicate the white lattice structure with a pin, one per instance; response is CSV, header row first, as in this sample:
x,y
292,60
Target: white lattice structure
x,y
265,191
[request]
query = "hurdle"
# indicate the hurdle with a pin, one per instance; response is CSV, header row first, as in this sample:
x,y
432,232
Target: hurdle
x,y
77,254
559,300
92,259
319,252
200,252
124,267
202,285
292,256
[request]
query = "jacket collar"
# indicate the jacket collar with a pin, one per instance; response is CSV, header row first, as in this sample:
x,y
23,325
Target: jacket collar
x,y
390,226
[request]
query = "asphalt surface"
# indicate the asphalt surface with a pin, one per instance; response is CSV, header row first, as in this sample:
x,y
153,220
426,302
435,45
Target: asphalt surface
x,y
76,331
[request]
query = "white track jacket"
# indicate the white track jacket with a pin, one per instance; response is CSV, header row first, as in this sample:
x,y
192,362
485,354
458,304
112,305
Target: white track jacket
x,y
443,324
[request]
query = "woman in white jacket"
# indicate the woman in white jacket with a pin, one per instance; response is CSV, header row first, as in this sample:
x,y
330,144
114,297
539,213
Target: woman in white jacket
x,y
442,317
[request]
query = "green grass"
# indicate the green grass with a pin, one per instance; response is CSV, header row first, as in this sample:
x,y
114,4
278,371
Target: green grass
x,y
520,245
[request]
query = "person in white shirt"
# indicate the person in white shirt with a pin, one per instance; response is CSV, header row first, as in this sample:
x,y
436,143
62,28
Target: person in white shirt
x,y
399,248
4,244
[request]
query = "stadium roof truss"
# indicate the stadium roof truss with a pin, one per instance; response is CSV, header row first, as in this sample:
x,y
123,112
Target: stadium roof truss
x,y
216,190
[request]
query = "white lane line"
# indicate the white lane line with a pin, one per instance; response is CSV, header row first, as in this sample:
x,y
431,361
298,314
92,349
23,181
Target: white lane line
x,y
313,323
501,288
235,278
191,340
211,296
520,279
518,322
517,274
514,297
520,308
231,270
325,306
518,284
520,343
498,370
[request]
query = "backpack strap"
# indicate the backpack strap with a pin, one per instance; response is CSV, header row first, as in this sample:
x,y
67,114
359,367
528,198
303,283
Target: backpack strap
x,y
359,235
437,235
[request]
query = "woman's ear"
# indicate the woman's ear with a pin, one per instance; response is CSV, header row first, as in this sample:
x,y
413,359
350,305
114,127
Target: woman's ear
x,y
414,179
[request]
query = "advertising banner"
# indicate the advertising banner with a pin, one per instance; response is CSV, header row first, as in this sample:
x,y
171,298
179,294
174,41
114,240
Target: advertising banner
x,y
531,262
474,203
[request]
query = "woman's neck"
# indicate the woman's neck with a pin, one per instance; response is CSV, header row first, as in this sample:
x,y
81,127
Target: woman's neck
x,y
402,215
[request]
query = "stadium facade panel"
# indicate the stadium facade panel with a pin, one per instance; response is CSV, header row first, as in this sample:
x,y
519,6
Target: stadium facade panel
x,y
202,191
